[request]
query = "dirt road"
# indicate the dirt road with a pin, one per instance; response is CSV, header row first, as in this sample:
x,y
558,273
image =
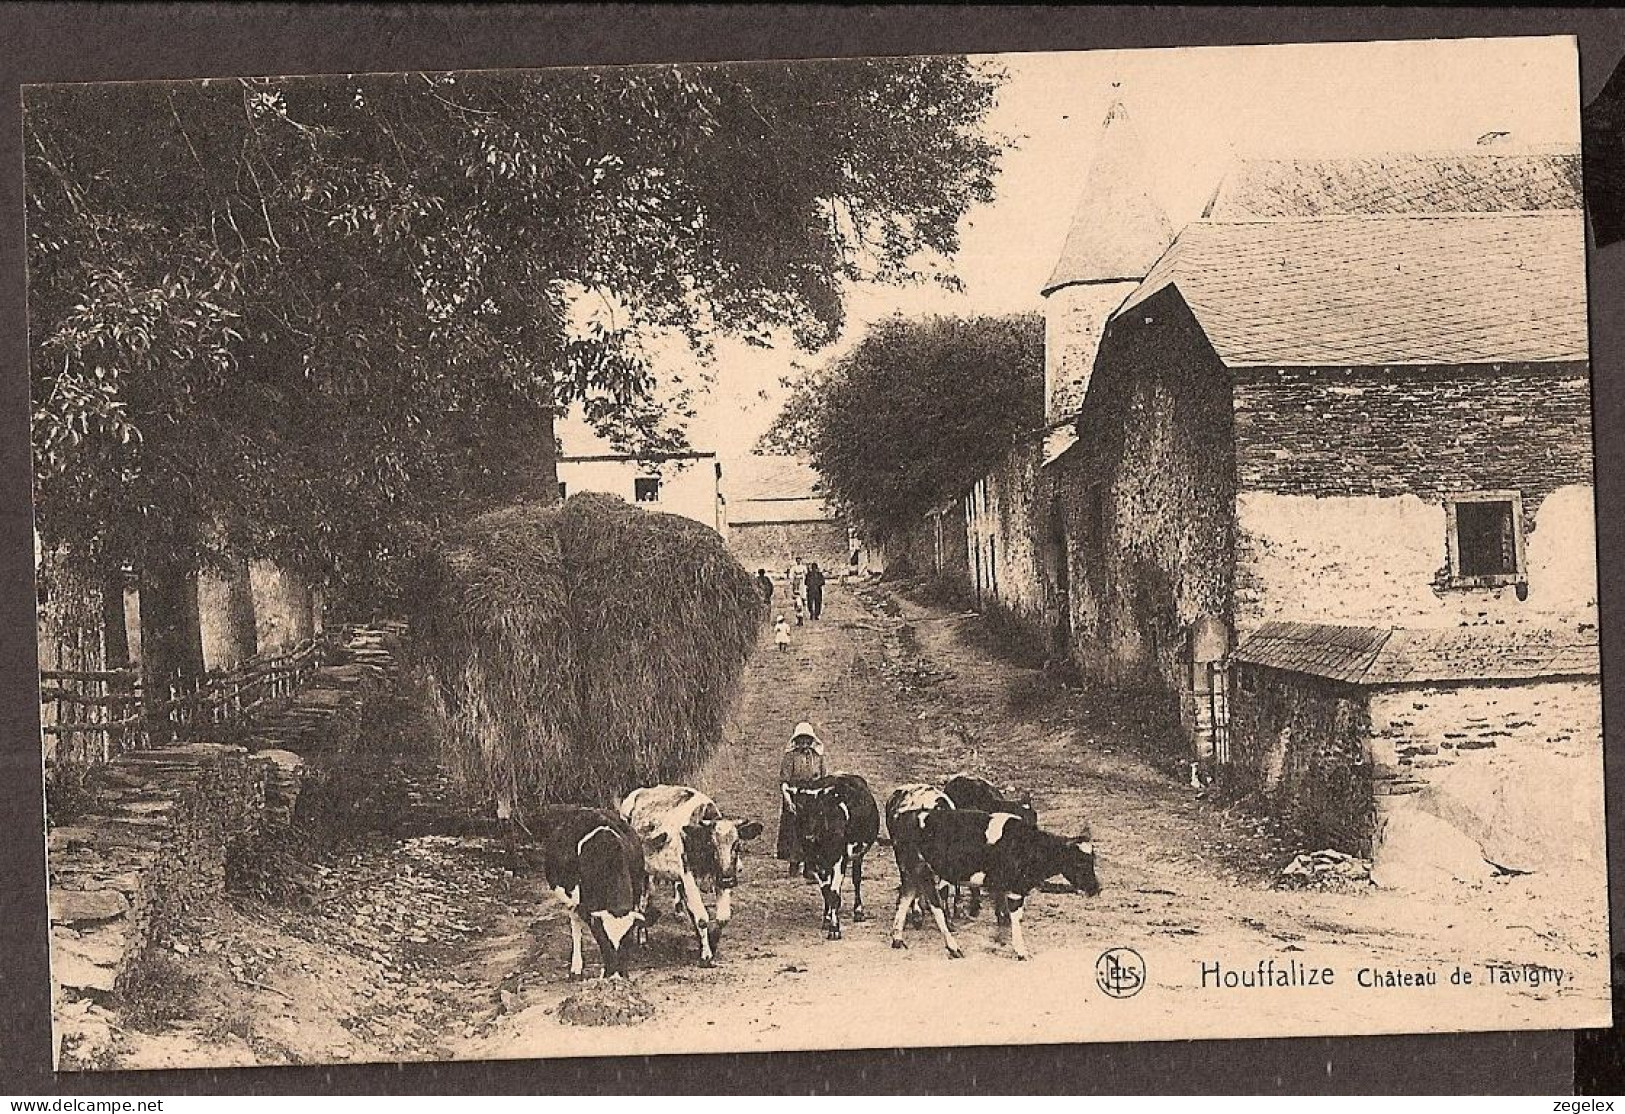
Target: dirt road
x,y
430,950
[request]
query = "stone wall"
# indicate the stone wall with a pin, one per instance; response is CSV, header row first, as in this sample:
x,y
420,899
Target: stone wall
x,y
1148,500
912,551
1414,431
774,546
1343,474
153,847
1509,773
953,545
1381,561
1015,562
158,834
1300,744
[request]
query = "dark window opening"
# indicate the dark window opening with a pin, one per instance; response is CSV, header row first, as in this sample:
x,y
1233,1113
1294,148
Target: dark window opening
x,y
564,491
646,490
1486,540
1484,536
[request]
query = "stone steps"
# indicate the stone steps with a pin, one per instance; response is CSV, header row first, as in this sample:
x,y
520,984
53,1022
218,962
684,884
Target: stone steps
x,y
155,839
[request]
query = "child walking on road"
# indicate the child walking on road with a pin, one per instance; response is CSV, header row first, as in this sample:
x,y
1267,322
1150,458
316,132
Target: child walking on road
x,y
781,634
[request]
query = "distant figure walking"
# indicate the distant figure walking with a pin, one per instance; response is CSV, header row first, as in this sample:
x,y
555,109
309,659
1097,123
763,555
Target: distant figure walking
x,y
764,584
803,762
815,590
798,587
781,634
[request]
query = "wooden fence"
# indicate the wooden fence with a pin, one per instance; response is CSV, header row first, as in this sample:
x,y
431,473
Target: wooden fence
x,y
92,715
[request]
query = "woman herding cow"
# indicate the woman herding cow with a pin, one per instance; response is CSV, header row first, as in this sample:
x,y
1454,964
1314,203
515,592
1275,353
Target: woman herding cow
x,y
803,761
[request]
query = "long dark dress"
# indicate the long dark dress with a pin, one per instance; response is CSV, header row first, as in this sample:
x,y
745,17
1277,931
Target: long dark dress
x,y
800,765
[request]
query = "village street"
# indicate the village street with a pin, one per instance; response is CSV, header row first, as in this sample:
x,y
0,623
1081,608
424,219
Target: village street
x,y
428,948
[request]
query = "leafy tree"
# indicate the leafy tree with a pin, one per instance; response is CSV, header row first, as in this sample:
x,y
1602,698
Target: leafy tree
x,y
283,317
917,412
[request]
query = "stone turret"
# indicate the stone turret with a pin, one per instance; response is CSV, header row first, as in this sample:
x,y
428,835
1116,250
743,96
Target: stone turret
x,y
1118,231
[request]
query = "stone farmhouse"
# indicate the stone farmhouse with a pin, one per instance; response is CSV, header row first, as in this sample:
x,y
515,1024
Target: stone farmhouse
x,y
1318,479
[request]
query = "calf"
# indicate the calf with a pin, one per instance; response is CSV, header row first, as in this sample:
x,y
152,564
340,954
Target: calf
x,y
998,851
981,795
594,867
902,827
689,843
837,821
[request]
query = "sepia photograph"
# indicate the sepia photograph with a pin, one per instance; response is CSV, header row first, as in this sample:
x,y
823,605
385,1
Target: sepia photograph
x,y
834,554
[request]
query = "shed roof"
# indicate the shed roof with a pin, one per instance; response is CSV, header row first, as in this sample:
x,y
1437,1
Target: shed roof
x,y
1376,656
1118,229
1334,652
1479,180
1374,291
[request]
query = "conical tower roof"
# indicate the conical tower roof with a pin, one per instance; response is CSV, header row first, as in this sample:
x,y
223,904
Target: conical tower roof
x,y
1118,229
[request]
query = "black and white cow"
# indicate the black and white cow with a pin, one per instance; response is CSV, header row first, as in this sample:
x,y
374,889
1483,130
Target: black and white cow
x,y
689,843
980,795
838,822
996,851
595,870
977,794
902,828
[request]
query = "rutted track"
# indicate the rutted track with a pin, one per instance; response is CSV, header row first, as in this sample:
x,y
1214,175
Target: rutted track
x,y
464,960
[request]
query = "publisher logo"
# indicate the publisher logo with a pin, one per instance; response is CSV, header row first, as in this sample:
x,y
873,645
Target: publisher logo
x,y
1120,972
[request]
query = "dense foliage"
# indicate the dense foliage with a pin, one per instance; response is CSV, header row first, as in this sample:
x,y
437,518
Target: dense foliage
x,y
917,412
280,317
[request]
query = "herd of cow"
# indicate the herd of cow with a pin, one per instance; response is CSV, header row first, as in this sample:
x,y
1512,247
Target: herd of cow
x,y
965,838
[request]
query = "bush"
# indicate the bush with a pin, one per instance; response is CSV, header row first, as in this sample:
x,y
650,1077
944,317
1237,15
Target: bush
x,y
156,990
1006,635
920,410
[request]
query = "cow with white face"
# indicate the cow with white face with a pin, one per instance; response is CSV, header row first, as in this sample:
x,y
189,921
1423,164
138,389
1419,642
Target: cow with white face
x,y
689,843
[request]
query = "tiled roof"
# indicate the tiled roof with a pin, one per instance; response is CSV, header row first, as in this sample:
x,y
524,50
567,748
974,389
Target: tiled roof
x,y
1382,656
1336,653
1500,652
1474,181
763,489
1118,229
760,476
1375,291
758,512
